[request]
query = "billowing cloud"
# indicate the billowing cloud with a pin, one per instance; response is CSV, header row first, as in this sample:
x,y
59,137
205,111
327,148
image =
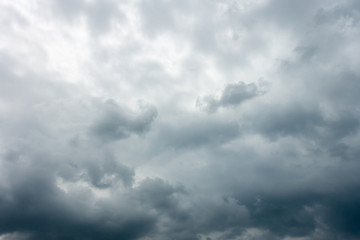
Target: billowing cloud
x,y
232,95
157,119
117,123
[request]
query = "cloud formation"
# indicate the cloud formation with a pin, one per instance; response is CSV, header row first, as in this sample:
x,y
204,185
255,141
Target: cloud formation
x,y
116,123
232,95
127,120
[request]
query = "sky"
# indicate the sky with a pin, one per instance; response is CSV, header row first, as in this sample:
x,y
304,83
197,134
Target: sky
x,y
179,120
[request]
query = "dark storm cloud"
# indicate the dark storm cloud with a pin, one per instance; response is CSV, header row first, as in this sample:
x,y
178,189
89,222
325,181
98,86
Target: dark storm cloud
x,y
284,216
36,206
108,173
298,201
233,95
293,119
33,205
118,123
186,214
280,165
305,212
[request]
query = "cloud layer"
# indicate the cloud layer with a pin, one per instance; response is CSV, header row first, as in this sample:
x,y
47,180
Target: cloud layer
x,y
160,119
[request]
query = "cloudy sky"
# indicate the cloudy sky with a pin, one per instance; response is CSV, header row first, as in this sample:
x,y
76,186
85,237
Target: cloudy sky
x,y
181,120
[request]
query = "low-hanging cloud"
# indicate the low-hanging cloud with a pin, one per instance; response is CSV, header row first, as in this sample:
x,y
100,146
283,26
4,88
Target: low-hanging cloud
x,y
275,157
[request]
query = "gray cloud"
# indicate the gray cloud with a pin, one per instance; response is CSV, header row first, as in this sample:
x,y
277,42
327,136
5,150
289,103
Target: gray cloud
x,y
232,95
98,13
108,173
196,133
282,165
293,119
117,123
39,200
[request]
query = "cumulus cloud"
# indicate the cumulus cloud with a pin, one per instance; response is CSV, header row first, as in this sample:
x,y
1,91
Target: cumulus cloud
x,y
117,123
232,95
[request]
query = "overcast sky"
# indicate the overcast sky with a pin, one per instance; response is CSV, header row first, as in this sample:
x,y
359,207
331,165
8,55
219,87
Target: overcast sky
x,y
179,120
